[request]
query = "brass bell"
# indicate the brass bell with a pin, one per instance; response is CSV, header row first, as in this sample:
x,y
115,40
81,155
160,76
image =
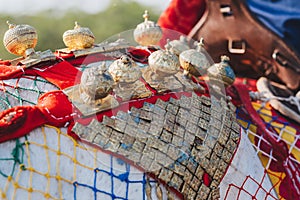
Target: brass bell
x,y
78,38
147,33
20,39
221,72
195,61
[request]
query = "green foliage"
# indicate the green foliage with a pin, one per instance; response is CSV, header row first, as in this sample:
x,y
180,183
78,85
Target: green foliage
x,y
118,17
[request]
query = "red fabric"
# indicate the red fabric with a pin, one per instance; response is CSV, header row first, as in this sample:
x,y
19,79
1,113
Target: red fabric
x,y
57,108
139,55
182,15
53,108
4,62
61,74
8,71
12,119
25,120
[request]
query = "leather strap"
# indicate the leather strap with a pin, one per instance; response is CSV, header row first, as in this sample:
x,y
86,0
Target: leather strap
x,y
228,27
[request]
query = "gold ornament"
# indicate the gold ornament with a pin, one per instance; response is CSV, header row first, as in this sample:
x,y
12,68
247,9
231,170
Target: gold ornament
x,y
221,72
96,83
147,33
125,70
179,46
195,61
163,64
78,38
92,95
20,39
126,74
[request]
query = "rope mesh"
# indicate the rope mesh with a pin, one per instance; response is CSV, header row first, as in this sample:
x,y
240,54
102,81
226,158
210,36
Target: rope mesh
x,y
285,131
49,164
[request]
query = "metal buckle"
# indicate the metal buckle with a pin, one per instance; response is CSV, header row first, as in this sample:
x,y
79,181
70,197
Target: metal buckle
x,y
236,46
283,61
226,10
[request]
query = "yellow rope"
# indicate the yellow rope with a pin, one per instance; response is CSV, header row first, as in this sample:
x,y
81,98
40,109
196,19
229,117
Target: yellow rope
x,y
43,147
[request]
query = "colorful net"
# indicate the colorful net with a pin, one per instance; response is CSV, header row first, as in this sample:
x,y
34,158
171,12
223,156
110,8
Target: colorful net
x,y
48,164
22,91
287,132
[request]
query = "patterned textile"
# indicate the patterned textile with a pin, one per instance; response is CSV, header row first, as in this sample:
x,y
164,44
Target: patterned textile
x,y
276,141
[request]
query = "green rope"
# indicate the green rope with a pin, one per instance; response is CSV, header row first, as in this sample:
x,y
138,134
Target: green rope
x,y
7,94
17,154
83,67
36,89
19,98
16,91
4,103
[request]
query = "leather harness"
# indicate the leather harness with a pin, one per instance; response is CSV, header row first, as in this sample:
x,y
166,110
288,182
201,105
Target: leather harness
x,y
228,27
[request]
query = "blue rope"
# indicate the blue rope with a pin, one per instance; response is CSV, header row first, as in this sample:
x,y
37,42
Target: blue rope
x,y
124,177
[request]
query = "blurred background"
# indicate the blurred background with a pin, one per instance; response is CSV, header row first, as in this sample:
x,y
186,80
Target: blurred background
x,y
52,18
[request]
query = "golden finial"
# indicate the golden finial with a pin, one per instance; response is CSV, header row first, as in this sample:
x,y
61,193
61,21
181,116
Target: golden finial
x,y
222,72
125,70
163,62
96,83
79,37
225,58
126,74
178,46
200,45
20,39
147,33
168,45
10,26
146,15
76,25
195,61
